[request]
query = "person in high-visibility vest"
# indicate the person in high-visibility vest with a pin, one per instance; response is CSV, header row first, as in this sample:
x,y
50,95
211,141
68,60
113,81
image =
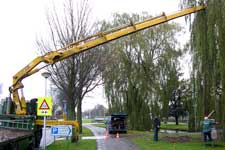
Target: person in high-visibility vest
x,y
207,129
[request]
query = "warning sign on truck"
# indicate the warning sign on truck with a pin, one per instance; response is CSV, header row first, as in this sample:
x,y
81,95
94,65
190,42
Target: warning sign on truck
x,y
44,106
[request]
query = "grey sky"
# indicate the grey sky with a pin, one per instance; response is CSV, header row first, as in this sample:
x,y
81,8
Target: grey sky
x,y
23,20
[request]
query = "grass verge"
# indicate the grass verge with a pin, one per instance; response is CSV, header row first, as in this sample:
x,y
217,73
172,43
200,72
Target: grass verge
x,y
146,143
87,121
67,145
173,126
101,125
86,132
174,142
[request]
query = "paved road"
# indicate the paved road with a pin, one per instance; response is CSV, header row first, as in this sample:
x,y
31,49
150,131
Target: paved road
x,y
110,142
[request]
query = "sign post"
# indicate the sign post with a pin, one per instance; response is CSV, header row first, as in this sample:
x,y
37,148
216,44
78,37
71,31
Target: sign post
x,y
44,108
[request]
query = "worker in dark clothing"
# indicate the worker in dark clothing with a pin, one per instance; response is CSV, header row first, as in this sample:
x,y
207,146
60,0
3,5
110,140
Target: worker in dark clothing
x,y
156,124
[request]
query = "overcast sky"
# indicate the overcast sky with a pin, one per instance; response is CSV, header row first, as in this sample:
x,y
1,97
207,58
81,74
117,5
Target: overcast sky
x,y
23,20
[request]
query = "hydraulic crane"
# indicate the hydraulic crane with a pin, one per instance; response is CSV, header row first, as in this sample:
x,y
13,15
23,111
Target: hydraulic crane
x,y
81,46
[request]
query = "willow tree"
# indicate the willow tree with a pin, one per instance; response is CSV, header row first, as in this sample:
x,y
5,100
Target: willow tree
x,y
139,64
208,49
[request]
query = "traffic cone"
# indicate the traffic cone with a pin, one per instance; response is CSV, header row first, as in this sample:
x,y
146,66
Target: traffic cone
x,y
117,135
106,134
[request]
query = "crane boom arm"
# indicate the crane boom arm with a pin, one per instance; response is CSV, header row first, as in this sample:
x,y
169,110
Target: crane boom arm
x,y
83,45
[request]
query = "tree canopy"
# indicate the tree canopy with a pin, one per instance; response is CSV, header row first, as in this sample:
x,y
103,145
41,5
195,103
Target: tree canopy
x,y
143,70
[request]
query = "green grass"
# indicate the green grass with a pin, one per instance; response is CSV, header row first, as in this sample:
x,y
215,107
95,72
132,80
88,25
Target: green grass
x,y
138,132
87,121
67,145
86,132
101,125
190,135
146,143
173,126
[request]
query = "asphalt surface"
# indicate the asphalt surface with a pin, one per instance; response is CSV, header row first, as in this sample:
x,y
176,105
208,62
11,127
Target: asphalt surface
x,y
110,142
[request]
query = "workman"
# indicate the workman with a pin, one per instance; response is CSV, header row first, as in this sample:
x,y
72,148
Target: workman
x,y
207,129
156,125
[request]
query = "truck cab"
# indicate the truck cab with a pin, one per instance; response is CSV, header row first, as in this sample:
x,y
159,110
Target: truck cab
x,y
117,123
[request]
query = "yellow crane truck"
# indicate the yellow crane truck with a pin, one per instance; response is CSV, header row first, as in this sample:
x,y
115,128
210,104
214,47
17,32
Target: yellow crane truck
x,y
19,127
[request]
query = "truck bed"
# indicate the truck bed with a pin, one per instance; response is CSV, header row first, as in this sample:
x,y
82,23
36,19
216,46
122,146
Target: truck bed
x,y
12,135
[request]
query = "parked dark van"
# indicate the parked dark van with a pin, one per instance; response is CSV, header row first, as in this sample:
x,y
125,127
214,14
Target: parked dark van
x,y
117,123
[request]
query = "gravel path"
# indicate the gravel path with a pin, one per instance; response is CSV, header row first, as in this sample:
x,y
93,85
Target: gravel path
x,y
110,142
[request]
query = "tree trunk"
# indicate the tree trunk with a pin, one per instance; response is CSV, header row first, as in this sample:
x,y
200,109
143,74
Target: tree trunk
x,y
71,110
176,118
79,114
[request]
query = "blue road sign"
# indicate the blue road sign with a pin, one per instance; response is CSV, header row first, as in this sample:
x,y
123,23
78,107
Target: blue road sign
x,y
61,130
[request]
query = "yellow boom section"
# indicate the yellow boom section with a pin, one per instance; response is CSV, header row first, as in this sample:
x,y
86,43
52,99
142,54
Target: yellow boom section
x,y
83,45
57,122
